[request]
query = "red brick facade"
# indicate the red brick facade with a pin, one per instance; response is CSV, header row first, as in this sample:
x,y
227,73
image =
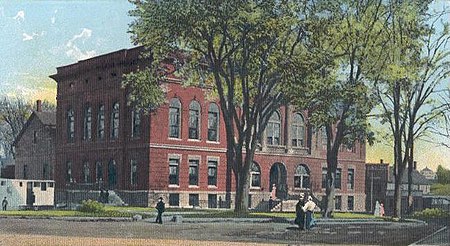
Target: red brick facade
x,y
97,82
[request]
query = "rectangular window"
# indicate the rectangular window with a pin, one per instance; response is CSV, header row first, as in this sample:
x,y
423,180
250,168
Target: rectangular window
x,y
69,178
337,181
37,184
173,171
350,203
35,134
44,186
25,171
193,172
136,123
174,199
193,200
212,201
133,172
324,178
212,172
174,122
350,179
50,184
101,122
338,202
212,125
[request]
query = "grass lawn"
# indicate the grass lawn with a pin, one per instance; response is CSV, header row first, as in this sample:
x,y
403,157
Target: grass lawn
x,y
111,211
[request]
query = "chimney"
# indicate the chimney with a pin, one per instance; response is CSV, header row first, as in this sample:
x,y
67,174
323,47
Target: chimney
x,y
415,165
39,106
381,161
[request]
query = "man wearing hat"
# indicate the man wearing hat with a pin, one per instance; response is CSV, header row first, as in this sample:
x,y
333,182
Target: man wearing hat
x,y
299,213
160,206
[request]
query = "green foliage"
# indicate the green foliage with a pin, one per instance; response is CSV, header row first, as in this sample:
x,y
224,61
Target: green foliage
x,y
91,206
443,175
441,189
431,213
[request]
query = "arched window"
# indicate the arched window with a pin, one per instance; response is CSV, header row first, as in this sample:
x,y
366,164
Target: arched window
x,y
274,129
112,174
70,125
174,118
135,123
87,124
101,122
98,172
301,177
298,130
115,121
213,122
86,173
194,120
255,175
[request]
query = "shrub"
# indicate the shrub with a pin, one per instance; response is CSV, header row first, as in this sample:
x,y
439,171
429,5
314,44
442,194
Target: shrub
x,y
91,206
431,213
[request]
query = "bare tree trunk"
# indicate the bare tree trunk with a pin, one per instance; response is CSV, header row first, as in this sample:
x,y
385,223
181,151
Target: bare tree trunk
x,y
410,170
242,188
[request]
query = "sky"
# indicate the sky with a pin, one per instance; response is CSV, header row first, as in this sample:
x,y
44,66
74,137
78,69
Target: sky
x,y
38,36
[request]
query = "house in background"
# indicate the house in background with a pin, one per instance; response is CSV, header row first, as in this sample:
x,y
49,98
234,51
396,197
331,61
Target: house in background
x,y
35,146
428,173
420,187
376,184
7,167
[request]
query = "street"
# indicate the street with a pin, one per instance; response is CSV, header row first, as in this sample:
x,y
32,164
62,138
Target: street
x,y
26,231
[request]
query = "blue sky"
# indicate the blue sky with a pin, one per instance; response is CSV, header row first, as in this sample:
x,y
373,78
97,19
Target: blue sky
x,y
38,36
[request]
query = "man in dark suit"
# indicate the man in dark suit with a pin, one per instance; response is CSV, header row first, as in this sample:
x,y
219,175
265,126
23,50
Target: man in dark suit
x,y
299,213
160,207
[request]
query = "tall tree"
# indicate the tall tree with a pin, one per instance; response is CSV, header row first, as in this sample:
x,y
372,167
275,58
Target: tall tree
x,y
14,113
410,91
347,40
243,49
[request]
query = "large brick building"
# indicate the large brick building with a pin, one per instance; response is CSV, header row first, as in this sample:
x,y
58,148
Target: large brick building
x,y
178,151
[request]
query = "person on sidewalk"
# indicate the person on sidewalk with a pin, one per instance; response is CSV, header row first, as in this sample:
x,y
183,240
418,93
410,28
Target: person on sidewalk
x,y
299,213
160,207
309,210
4,203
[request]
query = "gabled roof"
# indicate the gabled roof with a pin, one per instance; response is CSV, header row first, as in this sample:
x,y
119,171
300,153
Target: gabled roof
x,y
426,169
417,178
46,118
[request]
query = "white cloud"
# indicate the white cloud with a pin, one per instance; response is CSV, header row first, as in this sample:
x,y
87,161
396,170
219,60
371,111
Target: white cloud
x,y
74,51
27,37
20,16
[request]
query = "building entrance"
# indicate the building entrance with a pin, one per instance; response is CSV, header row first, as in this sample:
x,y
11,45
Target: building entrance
x,y
278,176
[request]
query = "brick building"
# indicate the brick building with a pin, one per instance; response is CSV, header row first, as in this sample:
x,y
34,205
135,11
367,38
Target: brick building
x,y
35,146
376,184
178,151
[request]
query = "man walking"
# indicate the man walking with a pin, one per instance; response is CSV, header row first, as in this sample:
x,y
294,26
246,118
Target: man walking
x,y
160,207
4,203
300,214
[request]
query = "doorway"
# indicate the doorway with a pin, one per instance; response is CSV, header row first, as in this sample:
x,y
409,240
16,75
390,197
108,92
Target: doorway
x,y
278,176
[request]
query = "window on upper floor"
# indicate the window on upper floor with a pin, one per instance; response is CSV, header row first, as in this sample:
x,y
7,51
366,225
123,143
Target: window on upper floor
x,y
174,118
115,121
213,122
298,131
273,129
35,136
136,123
337,180
25,171
87,123
70,125
194,120
101,122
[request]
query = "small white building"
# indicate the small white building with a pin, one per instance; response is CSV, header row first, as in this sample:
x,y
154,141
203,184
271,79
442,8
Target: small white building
x,y
22,193
428,173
